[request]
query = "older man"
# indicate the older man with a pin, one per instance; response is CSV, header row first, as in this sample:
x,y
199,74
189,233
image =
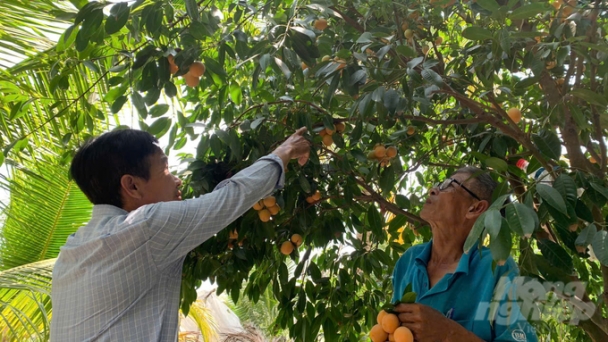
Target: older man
x,y
455,289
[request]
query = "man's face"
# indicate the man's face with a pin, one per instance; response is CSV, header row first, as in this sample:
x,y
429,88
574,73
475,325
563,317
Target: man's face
x,y
162,186
449,205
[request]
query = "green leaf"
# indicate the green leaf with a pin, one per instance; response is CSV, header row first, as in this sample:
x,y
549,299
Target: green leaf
x,y
521,219
408,298
192,9
599,188
119,15
497,164
387,179
118,103
527,11
304,183
600,246
500,246
283,67
590,96
477,33
555,254
374,220
548,143
490,5
585,238
391,100
552,197
475,232
159,127
235,93
158,110
432,77
565,185
493,222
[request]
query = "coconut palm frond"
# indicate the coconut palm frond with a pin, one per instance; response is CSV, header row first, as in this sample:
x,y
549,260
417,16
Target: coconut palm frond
x,y
45,208
25,302
201,315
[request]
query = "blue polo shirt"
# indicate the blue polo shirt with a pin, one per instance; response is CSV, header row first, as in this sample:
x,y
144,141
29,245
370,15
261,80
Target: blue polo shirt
x,y
467,296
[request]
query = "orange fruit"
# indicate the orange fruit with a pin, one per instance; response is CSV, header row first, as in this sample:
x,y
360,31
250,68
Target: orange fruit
x,y
296,239
264,215
191,80
380,316
438,41
316,196
234,235
391,337
328,140
390,323
560,81
391,152
171,59
274,209
380,151
230,245
341,66
404,26
411,130
310,200
320,24
304,66
258,205
403,334
286,247
371,155
592,160
197,69
514,114
377,334
269,201
425,50
173,69
340,127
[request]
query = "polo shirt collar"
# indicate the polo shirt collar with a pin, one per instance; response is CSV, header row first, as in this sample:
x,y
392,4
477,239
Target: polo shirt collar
x,y
463,265
101,210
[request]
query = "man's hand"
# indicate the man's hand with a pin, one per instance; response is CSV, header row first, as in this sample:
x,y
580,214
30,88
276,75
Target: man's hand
x,y
295,147
430,325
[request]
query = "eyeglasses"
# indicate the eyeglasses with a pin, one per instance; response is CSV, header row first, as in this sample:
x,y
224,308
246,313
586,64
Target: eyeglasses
x,y
446,183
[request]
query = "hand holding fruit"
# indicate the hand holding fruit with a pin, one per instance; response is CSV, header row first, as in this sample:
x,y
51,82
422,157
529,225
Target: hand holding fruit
x,y
423,321
295,147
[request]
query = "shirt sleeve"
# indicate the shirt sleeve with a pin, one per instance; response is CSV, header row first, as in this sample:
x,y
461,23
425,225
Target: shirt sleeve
x,y
175,228
509,323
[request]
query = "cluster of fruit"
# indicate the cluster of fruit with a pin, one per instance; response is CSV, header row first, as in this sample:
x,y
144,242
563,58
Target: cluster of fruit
x,y
288,246
193,76
326,133
234,236
389,329
314,197
382,154
266,208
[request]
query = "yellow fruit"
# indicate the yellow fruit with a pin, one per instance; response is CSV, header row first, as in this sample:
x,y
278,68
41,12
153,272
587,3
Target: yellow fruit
x,y
234,235
340,127
320,24
377,334
330,131
197,69
259,205
556,4
325,58
264,215
296,239
328,140
191,80
514,114
380,151
408,34
269,201
323,132
274,209
316,196
438,41
390,323
287,247
380,316
411,130
391,152
173,69
403,334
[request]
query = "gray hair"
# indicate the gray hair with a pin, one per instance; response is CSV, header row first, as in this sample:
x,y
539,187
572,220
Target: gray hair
x,y
483,185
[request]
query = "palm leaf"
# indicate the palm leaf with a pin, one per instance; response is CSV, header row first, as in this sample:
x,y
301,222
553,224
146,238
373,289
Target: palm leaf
x,y
45,208
25,302
204,320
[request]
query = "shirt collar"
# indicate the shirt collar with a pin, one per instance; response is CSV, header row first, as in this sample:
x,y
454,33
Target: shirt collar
x,y
463,265
100,210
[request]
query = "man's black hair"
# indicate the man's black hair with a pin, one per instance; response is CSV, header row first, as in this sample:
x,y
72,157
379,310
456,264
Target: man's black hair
x,y
101,162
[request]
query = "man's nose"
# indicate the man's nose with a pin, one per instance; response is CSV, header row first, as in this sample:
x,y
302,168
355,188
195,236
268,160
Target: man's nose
x,y
178,181
434,190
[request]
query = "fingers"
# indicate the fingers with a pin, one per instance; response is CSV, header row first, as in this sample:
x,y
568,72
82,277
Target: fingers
x,y
301,131
405,307
304,158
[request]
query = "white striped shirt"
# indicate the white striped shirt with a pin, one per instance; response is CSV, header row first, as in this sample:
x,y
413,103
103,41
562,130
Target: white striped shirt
x,y
118,278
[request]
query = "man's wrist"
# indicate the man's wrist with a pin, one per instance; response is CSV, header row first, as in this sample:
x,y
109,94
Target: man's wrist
x,y
284,153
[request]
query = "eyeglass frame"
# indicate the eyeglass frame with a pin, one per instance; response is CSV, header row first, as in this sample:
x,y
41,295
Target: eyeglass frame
x,y
449,182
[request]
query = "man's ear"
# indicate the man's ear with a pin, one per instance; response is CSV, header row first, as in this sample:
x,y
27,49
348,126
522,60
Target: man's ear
x,y
130,187
477,209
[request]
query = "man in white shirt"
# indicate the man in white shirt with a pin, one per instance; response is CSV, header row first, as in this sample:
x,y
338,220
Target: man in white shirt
x,y
118,277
